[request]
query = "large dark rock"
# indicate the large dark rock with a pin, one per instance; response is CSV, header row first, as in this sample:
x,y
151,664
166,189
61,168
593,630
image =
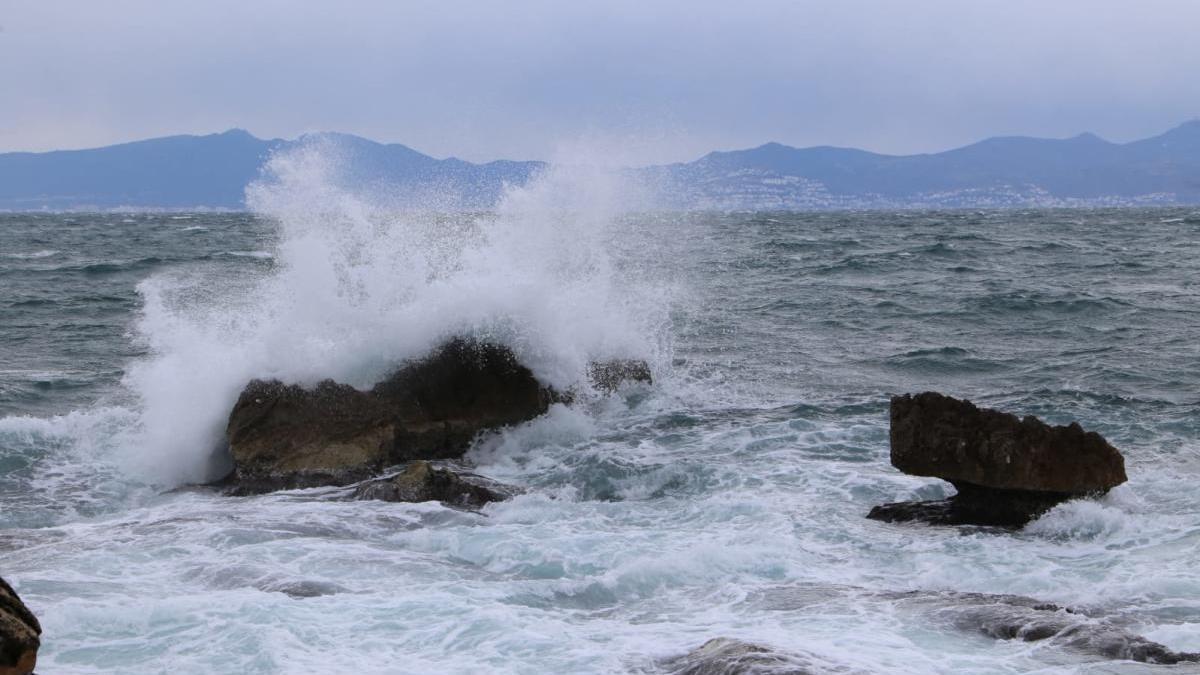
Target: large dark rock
x,y
285,436
935,435
1006,470
423,481
19,634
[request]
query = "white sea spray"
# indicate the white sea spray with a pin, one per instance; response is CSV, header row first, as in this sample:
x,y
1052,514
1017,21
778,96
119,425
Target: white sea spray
x,y
359,287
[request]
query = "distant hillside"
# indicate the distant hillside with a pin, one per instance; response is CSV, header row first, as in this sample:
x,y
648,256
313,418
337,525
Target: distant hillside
x,y
1009,171
180,172
172,172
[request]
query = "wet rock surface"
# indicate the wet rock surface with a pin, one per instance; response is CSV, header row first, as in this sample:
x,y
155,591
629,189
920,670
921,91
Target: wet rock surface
x,y
20,634
952,439
1084,635
1007,470
423,481
1009,617
727,656
285,436
974,505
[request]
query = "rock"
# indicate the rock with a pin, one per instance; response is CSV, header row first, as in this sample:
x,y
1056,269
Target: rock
x,y
726,656
285,436
932,512
935,435
19,634
607,376
1002,617
300,588
1006,470
973,505
422,481
1008,617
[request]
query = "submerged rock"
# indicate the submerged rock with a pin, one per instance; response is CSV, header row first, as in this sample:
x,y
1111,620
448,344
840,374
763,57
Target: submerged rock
x,y
1002,617
1009,617
726,656
20,634
300,588
285,436
607,376
422,481
1007,470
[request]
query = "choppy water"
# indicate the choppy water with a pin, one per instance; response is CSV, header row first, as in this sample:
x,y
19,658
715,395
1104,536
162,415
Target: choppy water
x,y
657,518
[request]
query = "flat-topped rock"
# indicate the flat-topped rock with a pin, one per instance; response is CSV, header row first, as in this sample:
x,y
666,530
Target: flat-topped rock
x,y
1007,470
952,439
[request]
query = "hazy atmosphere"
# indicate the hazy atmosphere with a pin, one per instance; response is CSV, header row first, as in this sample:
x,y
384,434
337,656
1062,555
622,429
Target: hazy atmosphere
x,y
655,82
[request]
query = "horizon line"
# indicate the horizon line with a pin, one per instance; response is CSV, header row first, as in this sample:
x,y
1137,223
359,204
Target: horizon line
x,y
1087,135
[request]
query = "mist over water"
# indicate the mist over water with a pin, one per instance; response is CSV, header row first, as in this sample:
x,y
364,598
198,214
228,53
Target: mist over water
x,y
726,500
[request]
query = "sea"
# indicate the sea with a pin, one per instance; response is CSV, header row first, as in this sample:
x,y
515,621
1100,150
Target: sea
x,y
727,499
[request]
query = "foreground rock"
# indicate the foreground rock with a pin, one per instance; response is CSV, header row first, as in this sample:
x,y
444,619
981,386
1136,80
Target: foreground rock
x,y
284,436
726,656
1007,470
19,634
422,481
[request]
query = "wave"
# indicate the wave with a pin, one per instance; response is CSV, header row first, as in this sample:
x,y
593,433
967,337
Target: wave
x,y
110,267
60,468
1024,301
359,286
943,360
261,255
34,255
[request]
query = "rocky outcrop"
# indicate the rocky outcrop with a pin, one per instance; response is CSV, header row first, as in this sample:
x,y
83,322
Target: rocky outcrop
x,y
727,656
1080,632
1006,470
19,634
285,436
1069,631
1010,617
423,481
935,435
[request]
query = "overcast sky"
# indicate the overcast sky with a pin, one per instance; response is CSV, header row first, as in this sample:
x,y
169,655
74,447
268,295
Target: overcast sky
x,y
650,81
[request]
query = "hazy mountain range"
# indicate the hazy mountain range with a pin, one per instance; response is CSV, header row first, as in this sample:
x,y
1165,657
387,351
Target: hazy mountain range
x,y
183,172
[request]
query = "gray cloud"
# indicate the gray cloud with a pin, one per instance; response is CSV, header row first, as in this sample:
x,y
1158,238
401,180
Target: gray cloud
x,y
650,80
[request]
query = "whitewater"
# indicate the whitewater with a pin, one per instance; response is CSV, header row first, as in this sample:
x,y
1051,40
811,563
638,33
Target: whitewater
x,y
728,499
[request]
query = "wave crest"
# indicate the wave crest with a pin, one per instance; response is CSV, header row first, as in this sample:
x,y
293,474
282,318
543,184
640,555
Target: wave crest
x,y
360,285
